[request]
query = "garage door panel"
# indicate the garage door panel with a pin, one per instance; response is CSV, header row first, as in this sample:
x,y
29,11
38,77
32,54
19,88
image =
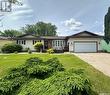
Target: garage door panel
x,y
85,47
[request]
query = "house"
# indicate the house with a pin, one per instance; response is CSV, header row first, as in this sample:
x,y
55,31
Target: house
x,y
81,42
4,40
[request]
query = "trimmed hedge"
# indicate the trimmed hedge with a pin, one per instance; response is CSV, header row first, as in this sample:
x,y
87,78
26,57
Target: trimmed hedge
x,y
11,48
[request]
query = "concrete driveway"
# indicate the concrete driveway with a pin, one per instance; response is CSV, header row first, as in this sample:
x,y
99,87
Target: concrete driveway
x,y
100,61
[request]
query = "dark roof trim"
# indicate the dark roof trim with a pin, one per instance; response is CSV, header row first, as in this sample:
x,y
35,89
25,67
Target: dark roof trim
x,y
53,37
24,35
40,37
93,35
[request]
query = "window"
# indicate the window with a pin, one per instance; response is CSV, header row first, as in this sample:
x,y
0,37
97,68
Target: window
x,y
61,43
23,42
35,41
53,43
68,43
17,42
58,43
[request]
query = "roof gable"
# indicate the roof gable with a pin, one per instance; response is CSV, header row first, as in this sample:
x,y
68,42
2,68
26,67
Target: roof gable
x,y
85,34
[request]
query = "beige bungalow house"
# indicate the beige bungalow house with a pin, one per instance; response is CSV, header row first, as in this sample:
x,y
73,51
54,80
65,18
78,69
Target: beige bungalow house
x,y
81,42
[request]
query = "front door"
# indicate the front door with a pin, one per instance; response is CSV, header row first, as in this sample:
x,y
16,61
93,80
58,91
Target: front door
x,y
46,44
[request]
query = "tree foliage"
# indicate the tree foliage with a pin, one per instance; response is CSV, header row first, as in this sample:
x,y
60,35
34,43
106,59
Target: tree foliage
x,y
29,29
10,33
15,2
107,25
40,29
38,46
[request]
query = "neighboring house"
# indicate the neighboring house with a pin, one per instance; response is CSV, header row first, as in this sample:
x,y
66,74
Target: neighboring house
x,y
81,42
4,40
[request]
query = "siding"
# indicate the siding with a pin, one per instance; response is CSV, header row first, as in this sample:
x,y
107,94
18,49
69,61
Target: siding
x,y
72,40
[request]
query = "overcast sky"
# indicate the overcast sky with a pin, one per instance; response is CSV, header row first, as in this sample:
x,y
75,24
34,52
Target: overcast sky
x,y
70,16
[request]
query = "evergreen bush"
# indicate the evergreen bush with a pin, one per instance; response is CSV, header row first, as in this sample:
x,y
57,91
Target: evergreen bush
x,y
38,77
11,48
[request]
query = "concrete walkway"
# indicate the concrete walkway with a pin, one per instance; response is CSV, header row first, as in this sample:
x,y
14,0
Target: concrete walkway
x,y
100,61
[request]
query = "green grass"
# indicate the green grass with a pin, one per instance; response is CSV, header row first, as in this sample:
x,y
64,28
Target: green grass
x,y
101,83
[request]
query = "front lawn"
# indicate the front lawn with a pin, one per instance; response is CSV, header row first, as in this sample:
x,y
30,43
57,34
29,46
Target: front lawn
x,y
100,82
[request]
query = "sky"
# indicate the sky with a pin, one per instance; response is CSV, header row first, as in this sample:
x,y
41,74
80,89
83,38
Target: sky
x,y
70,16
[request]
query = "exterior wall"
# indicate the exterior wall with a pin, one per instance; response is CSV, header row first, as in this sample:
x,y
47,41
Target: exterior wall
x,y
29,44
72,40
56,44
60,44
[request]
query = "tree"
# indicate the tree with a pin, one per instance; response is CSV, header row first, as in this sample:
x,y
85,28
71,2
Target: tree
x,y
107,25
11,33
40,29
15,2
46,29
38,46
29,29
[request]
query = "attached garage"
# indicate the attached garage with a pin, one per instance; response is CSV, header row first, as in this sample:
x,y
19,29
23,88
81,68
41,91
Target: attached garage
x,y
85,46
85,42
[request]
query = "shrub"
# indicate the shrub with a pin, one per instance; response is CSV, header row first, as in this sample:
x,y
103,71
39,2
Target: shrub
x,y
61,83
16,52
37,67
50,51
33,68
38,46
7,87
40,71
54,62
29,51
11,48
38,77
34,60
26,49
